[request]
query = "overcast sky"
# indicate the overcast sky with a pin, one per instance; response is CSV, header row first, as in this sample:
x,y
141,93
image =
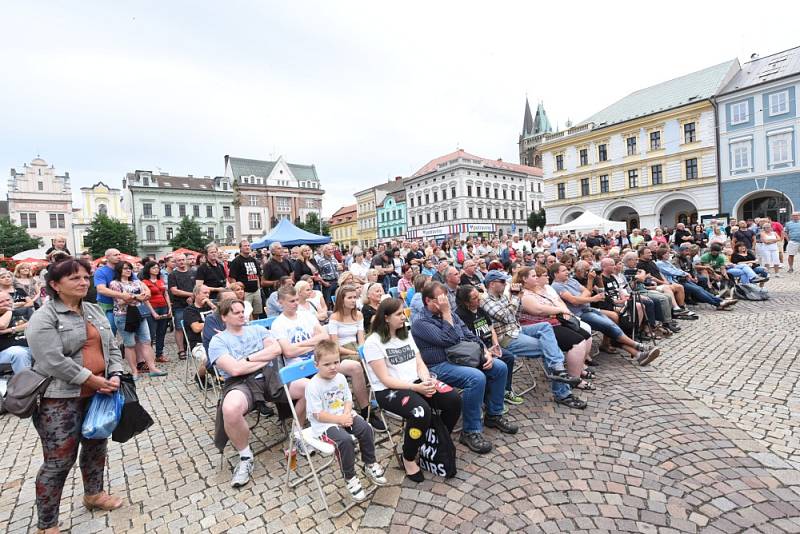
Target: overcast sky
x,y
363,90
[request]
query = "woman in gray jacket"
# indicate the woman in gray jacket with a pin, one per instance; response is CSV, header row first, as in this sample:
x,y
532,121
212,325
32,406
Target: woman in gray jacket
x,y
71,341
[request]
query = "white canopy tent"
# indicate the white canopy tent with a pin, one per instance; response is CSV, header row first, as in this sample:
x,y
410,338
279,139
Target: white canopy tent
x,y
588,221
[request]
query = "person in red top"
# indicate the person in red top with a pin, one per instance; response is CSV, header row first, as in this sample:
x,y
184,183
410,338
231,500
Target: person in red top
x,y
160,307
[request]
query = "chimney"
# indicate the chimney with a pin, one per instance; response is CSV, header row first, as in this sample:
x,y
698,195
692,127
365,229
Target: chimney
x,y
500,159
398,178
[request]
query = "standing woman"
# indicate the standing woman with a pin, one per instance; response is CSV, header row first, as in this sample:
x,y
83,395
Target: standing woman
x,y
769,247
124,283
24,280
346,324
160,307
403,384
372,296
306,264
72,342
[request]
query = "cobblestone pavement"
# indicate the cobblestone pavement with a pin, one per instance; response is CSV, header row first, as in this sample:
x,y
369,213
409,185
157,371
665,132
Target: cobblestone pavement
x,y
700,442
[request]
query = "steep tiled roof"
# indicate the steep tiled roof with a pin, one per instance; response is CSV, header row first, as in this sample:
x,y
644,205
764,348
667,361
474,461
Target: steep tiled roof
x,y
693,87
344,214
256,167
766,69
500,165
184,182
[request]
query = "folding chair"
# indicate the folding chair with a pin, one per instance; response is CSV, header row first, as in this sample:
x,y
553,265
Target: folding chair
x,y
388,431
523,362
186,345
290,373
266,323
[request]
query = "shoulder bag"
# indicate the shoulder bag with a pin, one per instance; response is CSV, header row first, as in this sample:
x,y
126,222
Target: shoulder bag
x,y
25,389
466,353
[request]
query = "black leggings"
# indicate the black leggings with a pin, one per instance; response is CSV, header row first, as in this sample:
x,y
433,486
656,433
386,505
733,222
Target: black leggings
x,y
416,410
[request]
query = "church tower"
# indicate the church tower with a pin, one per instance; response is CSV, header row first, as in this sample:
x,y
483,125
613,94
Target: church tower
x,y
533,129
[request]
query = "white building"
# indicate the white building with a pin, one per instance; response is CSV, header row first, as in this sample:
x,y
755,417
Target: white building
x,y
460,194
41,201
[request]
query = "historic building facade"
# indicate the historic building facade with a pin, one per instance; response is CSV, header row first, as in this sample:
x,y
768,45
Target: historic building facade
x,y
268,191
460,194
158,202
758,138
41,201
367,201
648,159
344,226
391,213
97,199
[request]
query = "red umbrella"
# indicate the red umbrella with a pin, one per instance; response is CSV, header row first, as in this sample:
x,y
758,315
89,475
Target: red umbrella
x,y
122,257
183,251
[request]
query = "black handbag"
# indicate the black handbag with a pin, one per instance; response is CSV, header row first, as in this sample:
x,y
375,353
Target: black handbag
x,y
132,319
466,353
134,419
437,454
25,390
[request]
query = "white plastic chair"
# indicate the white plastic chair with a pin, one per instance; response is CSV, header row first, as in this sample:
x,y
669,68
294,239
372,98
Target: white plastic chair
x,y
395,451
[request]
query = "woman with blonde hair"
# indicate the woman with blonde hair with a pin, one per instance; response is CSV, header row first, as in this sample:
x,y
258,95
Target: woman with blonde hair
x,y
305,296
24,280
346,324
307,265
371,297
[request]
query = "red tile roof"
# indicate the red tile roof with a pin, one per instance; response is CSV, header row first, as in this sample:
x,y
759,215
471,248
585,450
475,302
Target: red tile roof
x,y
344,214
433,165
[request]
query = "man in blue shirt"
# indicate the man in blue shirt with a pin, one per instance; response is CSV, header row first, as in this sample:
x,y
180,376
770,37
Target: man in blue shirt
x,y
438,329
105,296
792,230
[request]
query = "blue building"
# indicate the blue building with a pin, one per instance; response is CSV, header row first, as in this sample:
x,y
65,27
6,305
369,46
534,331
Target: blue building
x,y
391,213
758,138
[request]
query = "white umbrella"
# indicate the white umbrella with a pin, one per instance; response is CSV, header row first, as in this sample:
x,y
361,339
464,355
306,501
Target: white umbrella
x,y
33,254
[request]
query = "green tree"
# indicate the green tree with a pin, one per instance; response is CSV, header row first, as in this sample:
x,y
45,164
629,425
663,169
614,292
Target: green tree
x,y
15,239
311,224
189,236
537,219
105,233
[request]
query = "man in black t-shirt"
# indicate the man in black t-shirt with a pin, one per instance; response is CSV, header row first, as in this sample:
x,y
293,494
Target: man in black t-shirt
x,y
245,269
212,273
181,284
275,268
594,239
744,236
415,255
681,236
194,315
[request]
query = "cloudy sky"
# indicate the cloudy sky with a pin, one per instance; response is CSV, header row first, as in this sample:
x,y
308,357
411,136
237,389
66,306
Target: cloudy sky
x,y
364,90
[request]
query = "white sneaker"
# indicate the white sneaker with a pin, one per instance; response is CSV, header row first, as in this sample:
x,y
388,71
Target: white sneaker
x,y
375,473
355,489
241,475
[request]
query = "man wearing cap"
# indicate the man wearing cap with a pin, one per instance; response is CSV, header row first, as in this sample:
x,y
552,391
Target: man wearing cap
x,y
530,341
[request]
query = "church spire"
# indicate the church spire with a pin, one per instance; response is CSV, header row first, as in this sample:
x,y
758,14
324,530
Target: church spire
x,y
541,124
527,123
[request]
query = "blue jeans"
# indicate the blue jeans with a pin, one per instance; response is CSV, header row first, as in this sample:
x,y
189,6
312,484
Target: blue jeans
x,y
477,385
538,340
130,339
158,329
747,273
19,357
600,322
508,358
112,321
699,294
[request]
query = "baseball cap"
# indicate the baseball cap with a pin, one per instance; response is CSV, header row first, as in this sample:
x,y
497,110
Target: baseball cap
x,y
495,275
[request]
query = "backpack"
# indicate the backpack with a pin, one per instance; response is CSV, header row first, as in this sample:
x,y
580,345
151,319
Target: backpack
x,y
750,292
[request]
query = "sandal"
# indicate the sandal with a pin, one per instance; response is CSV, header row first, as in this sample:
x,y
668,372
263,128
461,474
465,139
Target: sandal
x,y
162,359
586,386
102,501
562,376
588,375
182,355
572,401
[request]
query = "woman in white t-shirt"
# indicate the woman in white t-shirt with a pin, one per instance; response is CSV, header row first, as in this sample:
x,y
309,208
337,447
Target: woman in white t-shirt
x,y
402,383
306,302
769,247
346,324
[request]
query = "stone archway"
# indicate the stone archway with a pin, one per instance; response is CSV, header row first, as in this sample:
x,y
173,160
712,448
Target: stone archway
x,y
571,214
764,203
677,210
624,213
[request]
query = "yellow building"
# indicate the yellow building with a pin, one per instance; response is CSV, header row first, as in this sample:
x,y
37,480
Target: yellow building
x,y
648,159
344,226
97,199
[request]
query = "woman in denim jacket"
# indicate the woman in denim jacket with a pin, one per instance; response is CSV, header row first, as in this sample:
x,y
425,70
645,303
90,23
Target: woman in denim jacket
x,y
72,342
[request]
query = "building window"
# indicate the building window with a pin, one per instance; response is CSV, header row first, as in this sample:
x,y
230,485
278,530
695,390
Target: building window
x,y
413,220
505,213
254,220
196,210
436,216
226,211
428,217
584,156
412,202
167,210
691,169
602,153
513,192
27,220
252,200
604,183
469,213
655,175
444,194
170,233
778,103
435,196
444,215
496,193
631,144
780,148
633,178
689,134
209,211
740,112
560,162
40,186
505,193
469,191
150,233
562,191
740,156
453,192
497,213
210,232
585,187
102,209
427,199
655,140
229,233
182,210
455,213
147,209
480,213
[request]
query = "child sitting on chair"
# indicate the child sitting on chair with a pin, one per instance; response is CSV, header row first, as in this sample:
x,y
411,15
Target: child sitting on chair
x,y
330,411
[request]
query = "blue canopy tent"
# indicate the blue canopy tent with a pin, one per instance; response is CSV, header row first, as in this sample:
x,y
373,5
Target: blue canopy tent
x,y
289,235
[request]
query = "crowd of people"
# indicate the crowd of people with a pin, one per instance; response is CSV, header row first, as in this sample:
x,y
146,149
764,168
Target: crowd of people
x,y
440,327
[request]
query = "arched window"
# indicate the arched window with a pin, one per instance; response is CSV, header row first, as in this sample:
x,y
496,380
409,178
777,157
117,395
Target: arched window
x,y
102,209
229,233
150,233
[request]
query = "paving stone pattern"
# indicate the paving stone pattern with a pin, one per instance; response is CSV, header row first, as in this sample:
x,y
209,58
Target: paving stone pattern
x,y
704,441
